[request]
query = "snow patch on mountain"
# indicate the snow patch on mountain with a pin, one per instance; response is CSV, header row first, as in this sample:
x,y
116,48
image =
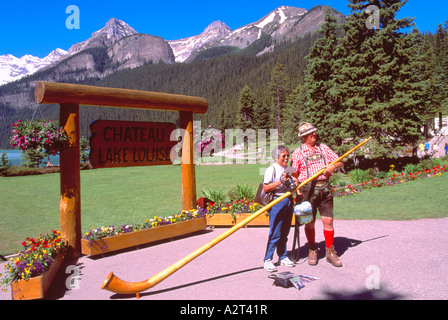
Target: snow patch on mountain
x,y
13,68
183,48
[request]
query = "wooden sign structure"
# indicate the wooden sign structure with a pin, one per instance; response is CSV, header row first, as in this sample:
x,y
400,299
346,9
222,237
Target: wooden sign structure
x,y
70,97
130,144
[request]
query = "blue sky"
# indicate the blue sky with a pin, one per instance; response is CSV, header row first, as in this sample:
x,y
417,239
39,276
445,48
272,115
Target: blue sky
x,y
38,27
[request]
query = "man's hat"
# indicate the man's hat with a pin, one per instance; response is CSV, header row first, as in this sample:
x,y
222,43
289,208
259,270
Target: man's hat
x,y
306,128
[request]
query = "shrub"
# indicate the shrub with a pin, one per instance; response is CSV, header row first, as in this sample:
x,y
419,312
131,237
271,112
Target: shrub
x,y
359,175
242,192
337,180
5,164
214,195
381,175
410,168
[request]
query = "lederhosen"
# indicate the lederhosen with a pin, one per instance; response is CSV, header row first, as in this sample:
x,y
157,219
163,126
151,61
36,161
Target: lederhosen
x,y
319,192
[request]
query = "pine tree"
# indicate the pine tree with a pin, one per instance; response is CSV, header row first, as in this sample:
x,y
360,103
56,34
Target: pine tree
x,y
321,105
262,116
278,88
372,79
293,114
246,104
440,73
225,117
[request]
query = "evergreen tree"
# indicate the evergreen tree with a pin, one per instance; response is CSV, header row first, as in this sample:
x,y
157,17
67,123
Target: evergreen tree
x,y
373,81
278,88
440,73
262,116
294,113
322,107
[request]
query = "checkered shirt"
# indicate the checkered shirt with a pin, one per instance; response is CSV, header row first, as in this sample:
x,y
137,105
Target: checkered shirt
x,y
298,162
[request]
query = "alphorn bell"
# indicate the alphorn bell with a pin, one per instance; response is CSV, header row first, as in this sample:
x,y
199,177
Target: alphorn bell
x,y
116,285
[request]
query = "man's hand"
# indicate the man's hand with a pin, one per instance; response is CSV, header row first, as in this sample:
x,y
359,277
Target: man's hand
x,y
331,168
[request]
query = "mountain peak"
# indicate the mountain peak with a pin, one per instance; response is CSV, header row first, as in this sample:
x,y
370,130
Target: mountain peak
x,y
279,15
115,28
182,48
113,31
221,27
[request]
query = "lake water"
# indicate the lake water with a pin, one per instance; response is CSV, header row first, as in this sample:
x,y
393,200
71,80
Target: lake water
x,y
15,158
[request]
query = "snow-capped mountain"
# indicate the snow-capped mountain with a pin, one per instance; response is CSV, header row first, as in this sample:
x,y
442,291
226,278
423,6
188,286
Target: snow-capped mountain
x,y
13,68
219,34
183,48
246,35
118,46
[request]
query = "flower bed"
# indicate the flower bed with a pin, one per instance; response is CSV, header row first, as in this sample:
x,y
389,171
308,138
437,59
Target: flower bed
x,y
396,178
223,214
113,238
228,220
32,271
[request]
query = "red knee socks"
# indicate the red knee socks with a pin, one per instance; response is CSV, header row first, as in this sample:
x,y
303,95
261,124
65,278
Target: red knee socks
x,y
311,236
329,238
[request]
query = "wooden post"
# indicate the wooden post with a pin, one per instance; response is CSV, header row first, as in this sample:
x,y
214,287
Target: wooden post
x,y
70,201
187,164
70,96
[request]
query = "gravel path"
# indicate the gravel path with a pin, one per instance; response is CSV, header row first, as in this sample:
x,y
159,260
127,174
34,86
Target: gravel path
x,y
408,260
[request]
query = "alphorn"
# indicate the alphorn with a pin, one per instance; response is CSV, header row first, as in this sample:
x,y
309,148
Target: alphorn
x,y
116,285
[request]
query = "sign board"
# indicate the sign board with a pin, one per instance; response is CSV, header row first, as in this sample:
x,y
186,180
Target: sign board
x,y
130,144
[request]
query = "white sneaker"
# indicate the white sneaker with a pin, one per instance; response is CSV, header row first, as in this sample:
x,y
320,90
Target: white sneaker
x,y
287,263
269,266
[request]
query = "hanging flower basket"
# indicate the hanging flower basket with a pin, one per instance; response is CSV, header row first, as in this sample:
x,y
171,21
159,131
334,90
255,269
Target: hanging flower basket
x,y
40,135
102,240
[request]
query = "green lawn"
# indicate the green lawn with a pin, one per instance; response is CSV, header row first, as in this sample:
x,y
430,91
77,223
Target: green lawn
x,y
419,199
30,204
